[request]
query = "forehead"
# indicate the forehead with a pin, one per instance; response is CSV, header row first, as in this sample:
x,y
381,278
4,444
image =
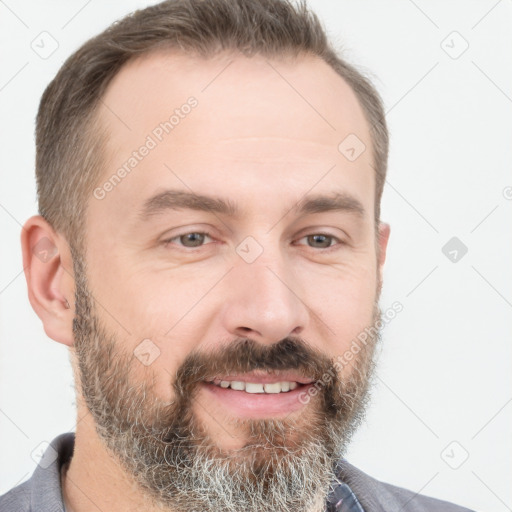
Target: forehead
x,y
230,125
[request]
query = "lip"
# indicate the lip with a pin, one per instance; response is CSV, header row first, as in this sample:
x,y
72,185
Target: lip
x,y
264,377
258,405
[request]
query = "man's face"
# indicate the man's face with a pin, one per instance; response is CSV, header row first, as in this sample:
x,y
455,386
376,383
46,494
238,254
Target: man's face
x,y
229,267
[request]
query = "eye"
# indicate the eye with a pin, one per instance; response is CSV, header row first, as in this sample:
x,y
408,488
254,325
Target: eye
x,y
195,239
321,241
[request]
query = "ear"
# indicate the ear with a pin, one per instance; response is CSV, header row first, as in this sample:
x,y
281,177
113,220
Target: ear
x,y
383,238
48,268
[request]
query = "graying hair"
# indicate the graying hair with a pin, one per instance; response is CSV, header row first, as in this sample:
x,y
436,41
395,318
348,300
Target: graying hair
x,y
70,143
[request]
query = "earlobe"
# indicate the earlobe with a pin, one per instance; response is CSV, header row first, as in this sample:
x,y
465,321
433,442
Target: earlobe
x,y
48,268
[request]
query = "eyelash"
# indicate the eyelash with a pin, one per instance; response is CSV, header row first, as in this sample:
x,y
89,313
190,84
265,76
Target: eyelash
x,y
336,240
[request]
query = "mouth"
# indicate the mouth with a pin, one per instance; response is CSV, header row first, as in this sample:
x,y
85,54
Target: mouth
x,y
260,395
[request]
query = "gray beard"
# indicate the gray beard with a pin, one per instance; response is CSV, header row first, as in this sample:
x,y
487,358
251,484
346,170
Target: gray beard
x,y
286,465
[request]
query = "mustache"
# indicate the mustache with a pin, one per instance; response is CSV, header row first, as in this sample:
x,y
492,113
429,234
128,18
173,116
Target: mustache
x,y
246,355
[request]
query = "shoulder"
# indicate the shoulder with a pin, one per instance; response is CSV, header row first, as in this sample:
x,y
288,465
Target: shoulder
x,y
379,496
42,491
17,499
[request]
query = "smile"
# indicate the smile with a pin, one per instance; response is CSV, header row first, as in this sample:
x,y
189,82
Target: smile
x,y
257,387
257,394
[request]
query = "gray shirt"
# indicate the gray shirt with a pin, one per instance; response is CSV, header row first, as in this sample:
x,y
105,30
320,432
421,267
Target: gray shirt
x,y
354,491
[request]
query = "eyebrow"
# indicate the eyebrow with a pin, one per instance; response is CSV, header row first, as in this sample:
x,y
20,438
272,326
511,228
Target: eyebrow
x,y
340,201
178,200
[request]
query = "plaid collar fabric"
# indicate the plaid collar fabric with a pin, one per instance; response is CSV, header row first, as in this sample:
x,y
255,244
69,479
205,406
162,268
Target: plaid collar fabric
x,y
342,499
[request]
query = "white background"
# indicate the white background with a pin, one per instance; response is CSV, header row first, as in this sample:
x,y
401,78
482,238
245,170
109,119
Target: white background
x,y
445,365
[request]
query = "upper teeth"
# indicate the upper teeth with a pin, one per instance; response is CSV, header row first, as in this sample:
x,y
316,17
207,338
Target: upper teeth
x,y
257,387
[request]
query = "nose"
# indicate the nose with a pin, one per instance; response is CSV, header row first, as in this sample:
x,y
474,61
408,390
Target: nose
x,y
263,304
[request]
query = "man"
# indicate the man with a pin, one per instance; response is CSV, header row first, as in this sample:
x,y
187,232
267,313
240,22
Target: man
x,y
209,180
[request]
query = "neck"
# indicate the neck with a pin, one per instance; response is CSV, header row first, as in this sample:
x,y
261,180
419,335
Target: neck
x,y
94,480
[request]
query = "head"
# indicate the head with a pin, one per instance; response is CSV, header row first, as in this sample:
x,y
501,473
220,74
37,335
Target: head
x,y
209,180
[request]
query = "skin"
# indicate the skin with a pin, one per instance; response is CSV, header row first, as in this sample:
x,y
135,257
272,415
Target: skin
x,y
252,140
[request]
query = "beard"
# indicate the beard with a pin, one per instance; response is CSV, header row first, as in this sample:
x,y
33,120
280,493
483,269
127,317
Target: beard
x,y
284,464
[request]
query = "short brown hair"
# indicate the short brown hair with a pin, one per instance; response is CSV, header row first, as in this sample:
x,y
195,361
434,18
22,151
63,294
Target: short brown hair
x,y
69,143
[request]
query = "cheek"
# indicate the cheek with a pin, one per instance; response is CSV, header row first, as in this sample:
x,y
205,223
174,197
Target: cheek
x,y
143,298
344,298
146,314
168,318
157,359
